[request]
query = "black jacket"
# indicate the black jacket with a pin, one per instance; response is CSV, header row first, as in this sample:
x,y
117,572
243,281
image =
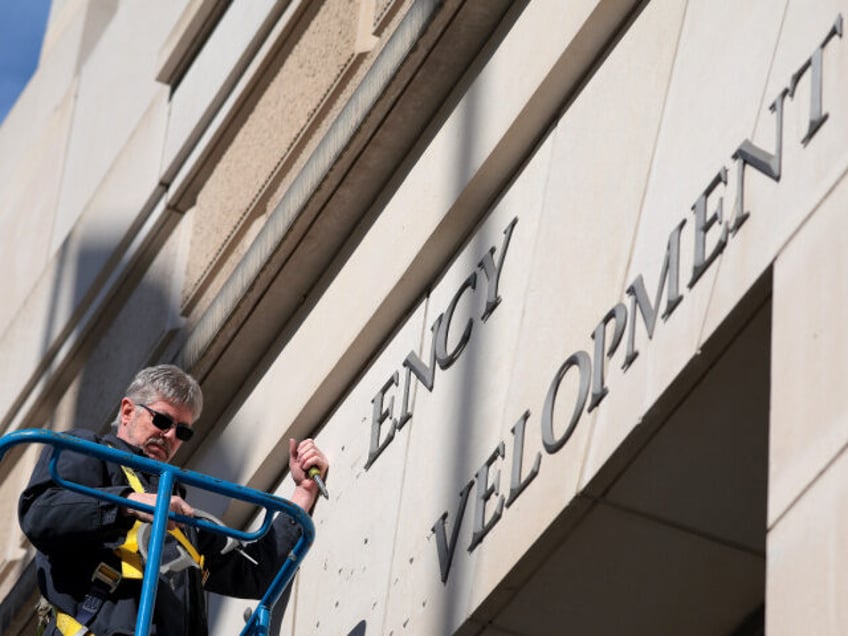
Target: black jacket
x,y
73,533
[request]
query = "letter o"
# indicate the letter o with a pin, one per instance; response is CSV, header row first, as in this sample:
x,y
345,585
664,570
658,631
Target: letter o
x,y
583,362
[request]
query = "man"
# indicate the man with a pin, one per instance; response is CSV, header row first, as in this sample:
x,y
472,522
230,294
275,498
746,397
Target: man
x,y
84,544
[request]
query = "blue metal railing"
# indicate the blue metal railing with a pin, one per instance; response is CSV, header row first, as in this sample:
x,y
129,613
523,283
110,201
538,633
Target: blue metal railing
x,y
259,622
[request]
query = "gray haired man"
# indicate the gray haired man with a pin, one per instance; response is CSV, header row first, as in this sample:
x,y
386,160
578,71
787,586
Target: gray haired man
x,y
82,541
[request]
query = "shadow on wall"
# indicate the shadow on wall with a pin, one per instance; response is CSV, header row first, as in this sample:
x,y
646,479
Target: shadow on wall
x,y
359,630
129,336
86,390
468,383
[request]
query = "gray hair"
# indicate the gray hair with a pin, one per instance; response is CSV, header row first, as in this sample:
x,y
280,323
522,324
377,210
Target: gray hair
x,y
165,382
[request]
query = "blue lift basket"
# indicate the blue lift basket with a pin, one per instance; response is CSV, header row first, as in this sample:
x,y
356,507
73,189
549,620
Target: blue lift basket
x,y
258,624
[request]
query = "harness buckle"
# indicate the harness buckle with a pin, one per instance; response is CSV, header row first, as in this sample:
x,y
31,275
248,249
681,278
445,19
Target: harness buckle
x,y
107,575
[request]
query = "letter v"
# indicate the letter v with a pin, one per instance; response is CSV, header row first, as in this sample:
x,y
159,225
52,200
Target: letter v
x,y
448,548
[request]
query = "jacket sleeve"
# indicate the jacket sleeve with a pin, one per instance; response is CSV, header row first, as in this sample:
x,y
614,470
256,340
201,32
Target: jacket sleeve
x,y
56,519
234,575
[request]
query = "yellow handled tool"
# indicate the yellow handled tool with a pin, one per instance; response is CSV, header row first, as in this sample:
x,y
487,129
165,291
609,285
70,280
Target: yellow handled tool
x,y
314,474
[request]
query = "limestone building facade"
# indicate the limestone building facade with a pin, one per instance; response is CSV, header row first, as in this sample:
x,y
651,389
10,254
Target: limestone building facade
x,y
559,286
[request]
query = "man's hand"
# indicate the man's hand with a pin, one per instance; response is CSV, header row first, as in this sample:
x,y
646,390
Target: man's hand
x,y
178,505
302,457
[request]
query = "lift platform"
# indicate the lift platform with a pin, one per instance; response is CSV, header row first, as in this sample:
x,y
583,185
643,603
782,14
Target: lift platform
x,y
258,624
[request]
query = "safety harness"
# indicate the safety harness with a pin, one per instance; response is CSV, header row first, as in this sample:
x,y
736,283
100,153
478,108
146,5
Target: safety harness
x,y
132,552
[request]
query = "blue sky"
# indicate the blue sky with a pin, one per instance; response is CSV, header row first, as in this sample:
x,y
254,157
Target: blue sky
x,y
22,25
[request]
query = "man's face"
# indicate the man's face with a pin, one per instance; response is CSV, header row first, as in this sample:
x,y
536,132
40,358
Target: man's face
x,y
137,428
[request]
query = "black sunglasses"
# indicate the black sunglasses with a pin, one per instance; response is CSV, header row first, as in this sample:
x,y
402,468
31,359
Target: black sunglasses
x,y
165,422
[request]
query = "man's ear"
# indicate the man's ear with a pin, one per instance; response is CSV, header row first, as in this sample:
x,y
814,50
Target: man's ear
x,y
126,411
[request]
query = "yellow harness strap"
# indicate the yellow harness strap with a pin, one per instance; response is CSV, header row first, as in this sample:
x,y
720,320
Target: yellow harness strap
x,y
132,566
69,626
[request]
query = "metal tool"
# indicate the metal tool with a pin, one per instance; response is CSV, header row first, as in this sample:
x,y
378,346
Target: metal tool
x,y
314,474
232,543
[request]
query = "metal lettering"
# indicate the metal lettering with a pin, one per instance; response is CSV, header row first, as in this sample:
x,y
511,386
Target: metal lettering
x,y
443,357
378,416
485,490
581,360
747,154
516,484
703,224
446,548
638,295
768,164
405,413
619,314
493,273
814,63
425,374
